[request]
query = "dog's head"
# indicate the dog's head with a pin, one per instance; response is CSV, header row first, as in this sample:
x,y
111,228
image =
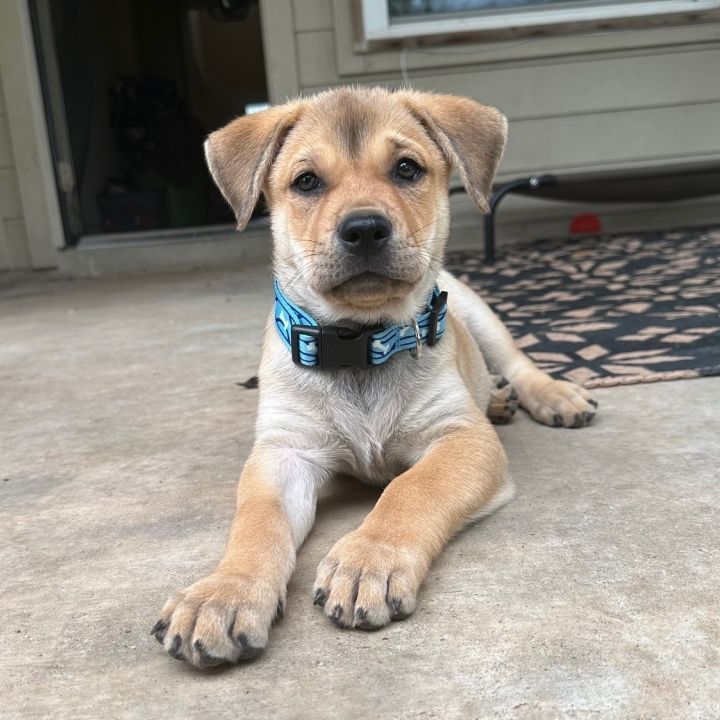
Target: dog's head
x,y
356,181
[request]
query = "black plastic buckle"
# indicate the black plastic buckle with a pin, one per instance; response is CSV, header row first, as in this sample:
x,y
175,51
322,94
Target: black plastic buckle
x,y
439,302
338,347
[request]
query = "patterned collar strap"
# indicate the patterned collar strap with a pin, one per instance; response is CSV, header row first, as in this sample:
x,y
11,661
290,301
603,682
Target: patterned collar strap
x,y
333,347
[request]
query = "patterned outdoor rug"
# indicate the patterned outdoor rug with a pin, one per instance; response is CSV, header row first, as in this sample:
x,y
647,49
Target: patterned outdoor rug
x,y
609,310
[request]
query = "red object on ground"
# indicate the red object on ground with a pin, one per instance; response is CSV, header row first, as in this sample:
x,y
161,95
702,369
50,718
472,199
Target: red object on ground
x,y
585,223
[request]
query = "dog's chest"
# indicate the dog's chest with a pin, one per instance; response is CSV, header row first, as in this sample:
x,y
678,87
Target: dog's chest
x,y
368,412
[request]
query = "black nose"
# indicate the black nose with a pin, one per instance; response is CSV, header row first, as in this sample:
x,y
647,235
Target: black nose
x,y
364,234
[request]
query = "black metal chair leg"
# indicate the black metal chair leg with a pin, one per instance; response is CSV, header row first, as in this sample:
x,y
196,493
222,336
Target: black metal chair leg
x,y
529,183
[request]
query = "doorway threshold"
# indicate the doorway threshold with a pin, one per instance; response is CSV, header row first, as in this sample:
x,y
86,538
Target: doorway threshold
x,y
167,250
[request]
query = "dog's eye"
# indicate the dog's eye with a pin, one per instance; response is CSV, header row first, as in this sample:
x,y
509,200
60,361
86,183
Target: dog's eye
x,y
408,170
307,182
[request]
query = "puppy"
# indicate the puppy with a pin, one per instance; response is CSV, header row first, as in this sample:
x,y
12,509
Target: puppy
x,y
375,360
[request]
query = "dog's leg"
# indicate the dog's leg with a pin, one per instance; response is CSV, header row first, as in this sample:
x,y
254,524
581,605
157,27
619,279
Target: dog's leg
x,y
372,575
553,402
226,616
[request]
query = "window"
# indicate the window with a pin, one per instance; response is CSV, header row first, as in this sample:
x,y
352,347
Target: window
x,y
396,20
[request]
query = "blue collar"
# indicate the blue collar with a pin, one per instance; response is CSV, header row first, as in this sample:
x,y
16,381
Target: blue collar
x,y
332,347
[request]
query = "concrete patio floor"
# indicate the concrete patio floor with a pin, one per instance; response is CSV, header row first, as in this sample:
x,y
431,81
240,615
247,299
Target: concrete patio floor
x,y
594,594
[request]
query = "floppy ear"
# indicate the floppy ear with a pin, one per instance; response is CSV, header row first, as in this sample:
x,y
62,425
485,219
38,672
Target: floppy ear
x,y
240,155
470,135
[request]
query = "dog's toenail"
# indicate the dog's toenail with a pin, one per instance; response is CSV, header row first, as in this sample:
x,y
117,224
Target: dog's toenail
x,y
336,616
502,382
159,630
247,650
174,649
320,597
210,660
280,610
593,402
361,618
206,659
557,421
397,609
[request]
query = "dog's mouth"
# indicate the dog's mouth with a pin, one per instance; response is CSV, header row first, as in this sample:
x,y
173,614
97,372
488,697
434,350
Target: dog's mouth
x,y
370,289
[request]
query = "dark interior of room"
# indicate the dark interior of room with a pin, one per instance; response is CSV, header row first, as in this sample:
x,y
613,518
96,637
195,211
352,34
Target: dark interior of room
x,y
141,85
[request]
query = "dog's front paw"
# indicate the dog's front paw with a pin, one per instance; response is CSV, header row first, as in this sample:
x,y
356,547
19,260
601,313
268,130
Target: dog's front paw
x,y
220,619
364,583
560,404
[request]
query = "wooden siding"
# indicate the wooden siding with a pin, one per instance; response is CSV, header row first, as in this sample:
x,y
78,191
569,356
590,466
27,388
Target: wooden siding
x,y
592,102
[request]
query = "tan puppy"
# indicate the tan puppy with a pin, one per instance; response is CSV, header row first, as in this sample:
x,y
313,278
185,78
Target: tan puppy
x,y
356,181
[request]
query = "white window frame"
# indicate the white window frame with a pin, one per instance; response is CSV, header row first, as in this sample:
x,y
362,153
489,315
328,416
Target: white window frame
x,y
378,27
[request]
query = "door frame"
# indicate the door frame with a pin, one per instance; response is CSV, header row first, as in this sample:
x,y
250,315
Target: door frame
x,y
56,120
25,109
29,136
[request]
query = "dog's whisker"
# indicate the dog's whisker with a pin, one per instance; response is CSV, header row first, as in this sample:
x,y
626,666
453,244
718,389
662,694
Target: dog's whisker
x,y
422,227
300,270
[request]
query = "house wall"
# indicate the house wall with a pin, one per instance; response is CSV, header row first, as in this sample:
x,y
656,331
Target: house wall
x,y
593,102
14,252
